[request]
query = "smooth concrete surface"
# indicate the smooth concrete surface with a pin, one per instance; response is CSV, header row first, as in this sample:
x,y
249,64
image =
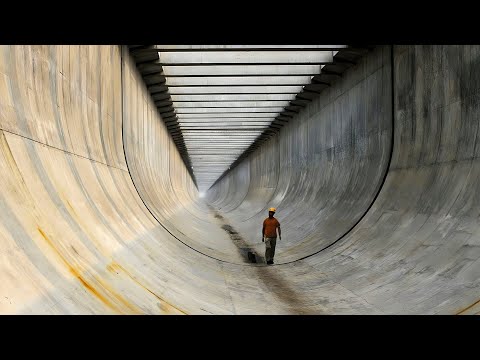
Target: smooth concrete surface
x,y
98,214
324,169
416,250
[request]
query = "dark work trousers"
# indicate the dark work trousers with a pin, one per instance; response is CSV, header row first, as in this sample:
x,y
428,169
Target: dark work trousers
x,y
270,248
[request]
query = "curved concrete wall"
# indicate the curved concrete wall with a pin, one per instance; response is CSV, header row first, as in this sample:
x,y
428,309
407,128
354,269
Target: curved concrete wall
x,y
75,237
78,236
324,169
416,249
161,178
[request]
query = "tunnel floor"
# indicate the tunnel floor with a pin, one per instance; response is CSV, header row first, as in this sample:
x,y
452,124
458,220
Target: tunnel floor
x,y
375,182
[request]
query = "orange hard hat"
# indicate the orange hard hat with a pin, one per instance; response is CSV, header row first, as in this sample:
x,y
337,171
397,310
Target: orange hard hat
x,y
272,209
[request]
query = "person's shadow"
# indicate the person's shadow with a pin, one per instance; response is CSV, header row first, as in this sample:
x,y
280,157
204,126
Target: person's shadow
x,y
268,274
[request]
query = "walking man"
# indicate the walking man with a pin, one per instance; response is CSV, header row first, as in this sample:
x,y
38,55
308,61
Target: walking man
x,y
269,235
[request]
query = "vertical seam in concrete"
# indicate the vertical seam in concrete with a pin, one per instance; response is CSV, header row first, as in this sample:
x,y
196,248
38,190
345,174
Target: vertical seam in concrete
x,y
249,183
231,174
266,206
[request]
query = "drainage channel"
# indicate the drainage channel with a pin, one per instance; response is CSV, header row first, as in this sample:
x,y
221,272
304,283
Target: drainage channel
x,y
247,252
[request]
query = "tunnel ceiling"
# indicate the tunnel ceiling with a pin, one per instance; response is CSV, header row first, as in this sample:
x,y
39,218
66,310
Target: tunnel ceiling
x,y
220,102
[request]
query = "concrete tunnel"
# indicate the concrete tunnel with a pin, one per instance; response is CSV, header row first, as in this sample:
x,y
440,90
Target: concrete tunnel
x,y
372,162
